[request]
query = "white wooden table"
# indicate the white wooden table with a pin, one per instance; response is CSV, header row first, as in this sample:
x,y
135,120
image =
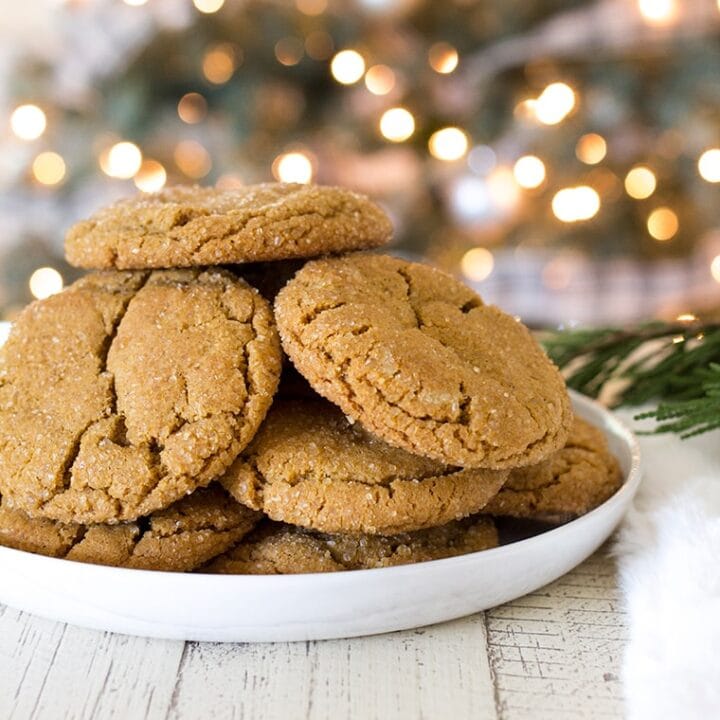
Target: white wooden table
x,y
552,654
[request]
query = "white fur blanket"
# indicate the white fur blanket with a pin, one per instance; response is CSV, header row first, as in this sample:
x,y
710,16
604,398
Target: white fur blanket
x,y
669,557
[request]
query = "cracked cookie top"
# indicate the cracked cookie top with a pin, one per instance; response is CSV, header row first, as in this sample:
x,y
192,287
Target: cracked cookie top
x,y
309,466
127,391
573,481
279,549
193,226
422,362
180,538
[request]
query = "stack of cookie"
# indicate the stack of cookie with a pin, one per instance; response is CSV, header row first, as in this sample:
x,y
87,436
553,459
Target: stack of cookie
x,y
147,421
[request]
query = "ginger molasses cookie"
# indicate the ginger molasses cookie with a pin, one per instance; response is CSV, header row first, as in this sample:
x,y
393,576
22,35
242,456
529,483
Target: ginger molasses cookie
x,y
279,549
573,481
180,538
127,391
193,226
309,466
422,362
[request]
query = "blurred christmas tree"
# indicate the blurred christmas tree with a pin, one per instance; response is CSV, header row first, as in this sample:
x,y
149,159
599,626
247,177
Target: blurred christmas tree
x,y
553,152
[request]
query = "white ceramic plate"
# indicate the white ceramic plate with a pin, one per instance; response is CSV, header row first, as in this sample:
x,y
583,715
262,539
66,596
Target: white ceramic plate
x,y
256,608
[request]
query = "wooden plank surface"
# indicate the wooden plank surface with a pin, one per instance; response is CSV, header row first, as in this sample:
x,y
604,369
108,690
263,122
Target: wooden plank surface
x,y
555,653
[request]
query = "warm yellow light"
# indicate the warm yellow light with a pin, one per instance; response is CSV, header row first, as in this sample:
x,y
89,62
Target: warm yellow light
x,y
658,12
135,3
192,108
122,160
151,176
443,58
397,124
477,264
311,7
28,122
229,181
289,51
450,143
44,282
48,168
192,159
380,79
208,6
218,63
640,182
686,317
529,171
715,268
503,189
347,67
319,45
293,167
554,103
591,148
662,223
709,164
525,109
574,204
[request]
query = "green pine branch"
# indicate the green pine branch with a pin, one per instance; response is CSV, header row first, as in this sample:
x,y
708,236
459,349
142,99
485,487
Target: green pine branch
x,y
676,365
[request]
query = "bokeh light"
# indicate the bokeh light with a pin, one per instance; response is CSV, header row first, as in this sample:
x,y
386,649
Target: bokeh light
x,y
640,182
477,264
208,6
28,122
311,7
443,58
48,168
450,143
574,204
715,268
347,67
192,108
658,12
293,167
709,165
122,160
554,103
289,51
591,148
44,282
192,159
151,176
135,3
219,63
662,223
529,171
380,79
397,124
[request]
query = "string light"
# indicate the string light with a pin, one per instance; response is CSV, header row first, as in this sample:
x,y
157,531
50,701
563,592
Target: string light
x,y
443,58
347,67
574,204
709,164
289,51
28,122
529,171
219,63
658,12
44,282
662,223
208,6
715,268
293,167
192,108
554,103
380,79
640,182
450,143
48,168
192,159
477,264
122,160
591,148
151,176
397,124
311,7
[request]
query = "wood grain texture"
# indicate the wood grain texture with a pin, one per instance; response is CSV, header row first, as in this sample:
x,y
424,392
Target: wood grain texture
x,y
552,654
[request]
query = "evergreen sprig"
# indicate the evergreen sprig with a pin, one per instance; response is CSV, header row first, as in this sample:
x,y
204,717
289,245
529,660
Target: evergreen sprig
x,y
676,365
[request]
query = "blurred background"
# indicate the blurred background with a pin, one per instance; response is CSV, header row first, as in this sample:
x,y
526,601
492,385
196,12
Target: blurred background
x,y
562,156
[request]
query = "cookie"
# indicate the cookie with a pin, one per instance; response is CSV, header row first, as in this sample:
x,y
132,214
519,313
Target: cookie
x,y
279,549
309,466
129,390
422,362
192,226
181,538
573,481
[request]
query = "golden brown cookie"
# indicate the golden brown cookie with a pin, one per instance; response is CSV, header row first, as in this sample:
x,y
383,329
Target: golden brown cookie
x,y
181,538
193,226
279,549
573,481
422,362
310,467
129,390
